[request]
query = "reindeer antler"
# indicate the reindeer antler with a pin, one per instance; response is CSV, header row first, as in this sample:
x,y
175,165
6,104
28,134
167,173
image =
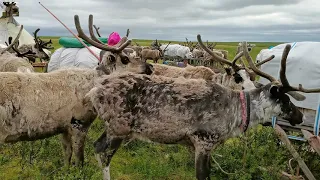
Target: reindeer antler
x,y
39,43
124,42
253,66
128,32
29,52
212,45
15,48
36,37
93,37
166,47
44,44
97,30
284,83
221,59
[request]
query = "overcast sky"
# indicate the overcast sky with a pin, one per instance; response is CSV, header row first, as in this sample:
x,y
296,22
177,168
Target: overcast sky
x,y
215,20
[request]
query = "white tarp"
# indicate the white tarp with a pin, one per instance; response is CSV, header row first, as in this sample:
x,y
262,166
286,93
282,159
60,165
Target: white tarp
x,y
10,29
73,57
176,50
303,67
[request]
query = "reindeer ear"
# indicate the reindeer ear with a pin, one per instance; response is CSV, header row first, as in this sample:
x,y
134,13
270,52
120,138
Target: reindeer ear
x,y
257,84
149,69
297,96
124,58
10,40
252,76
102,53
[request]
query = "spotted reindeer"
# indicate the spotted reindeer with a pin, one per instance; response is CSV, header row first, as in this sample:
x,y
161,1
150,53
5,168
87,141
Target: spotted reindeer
x,y
192,112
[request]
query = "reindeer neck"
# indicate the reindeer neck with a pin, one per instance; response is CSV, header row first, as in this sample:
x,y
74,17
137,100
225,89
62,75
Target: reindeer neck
x,y
250,108
262,107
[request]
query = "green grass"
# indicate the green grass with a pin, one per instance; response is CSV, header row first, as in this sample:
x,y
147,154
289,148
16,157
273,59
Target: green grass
x,y
43,159
231,47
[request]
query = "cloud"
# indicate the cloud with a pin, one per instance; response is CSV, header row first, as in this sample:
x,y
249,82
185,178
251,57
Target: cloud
x,y
215,20
234,4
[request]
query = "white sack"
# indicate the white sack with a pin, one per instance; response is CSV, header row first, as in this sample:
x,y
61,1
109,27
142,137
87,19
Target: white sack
x,y
303,67
73,57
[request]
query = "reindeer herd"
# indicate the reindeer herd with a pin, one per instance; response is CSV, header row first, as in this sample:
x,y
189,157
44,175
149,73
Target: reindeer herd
x,y
193,105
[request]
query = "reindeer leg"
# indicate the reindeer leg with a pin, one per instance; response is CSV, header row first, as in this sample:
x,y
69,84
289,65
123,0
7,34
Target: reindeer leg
x,y
79,133
202,163
203,144
67,148
105,148
100,145
78,140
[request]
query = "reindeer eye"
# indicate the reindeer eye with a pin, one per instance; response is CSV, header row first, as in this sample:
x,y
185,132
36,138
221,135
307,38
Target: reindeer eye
x,y
237,78
125,60
112,59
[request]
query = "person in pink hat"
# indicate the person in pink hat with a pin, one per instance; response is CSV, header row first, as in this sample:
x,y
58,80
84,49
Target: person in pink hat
x,y
113,39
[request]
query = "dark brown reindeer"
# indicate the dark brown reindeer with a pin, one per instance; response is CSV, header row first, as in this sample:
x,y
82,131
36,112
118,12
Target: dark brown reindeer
x,y
28,54
193,112
37,48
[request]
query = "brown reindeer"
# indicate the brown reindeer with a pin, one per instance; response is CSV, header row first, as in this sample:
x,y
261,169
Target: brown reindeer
x,y
153,54
37,48
30,113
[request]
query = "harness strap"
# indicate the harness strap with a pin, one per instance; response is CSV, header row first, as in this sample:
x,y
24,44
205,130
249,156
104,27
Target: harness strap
x,y
245,110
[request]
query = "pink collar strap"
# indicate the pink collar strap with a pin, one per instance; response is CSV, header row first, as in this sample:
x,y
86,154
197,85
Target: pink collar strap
x,y
245,110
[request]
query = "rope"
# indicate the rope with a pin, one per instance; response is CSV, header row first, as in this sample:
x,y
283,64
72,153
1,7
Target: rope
x,y
214,160
72,33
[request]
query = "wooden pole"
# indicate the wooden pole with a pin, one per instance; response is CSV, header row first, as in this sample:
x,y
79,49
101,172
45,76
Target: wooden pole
x,y
313,140
283,137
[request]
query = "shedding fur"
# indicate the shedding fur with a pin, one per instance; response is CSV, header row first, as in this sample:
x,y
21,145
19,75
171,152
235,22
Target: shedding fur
x,y
39,105
11,63
202,72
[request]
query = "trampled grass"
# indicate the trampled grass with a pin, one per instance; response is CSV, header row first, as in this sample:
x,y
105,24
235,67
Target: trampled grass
x,y
43,159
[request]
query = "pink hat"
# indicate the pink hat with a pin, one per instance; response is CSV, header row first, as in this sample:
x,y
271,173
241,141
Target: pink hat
x,y
113,39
